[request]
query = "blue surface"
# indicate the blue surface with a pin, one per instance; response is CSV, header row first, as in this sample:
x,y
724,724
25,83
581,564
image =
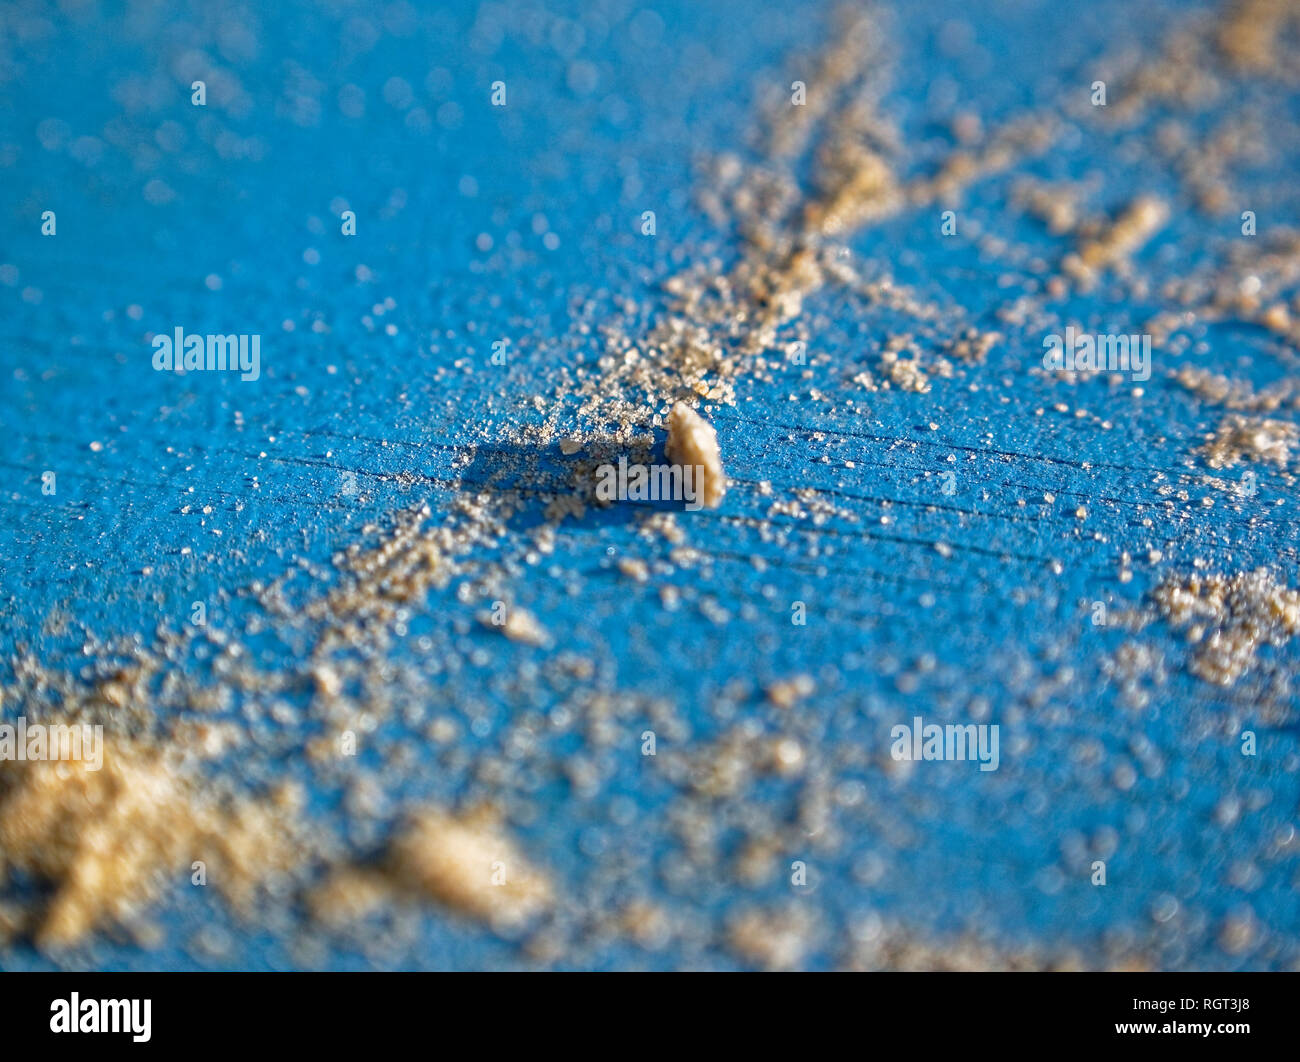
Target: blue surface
x,y
611,107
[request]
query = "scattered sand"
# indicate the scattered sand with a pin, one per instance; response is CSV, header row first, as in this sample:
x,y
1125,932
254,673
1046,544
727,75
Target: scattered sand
x,y
1228,618
1240,438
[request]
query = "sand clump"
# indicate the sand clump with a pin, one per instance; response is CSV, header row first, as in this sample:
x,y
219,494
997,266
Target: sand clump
x,y
467,863
461,861
107,842
1114,242
692,440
